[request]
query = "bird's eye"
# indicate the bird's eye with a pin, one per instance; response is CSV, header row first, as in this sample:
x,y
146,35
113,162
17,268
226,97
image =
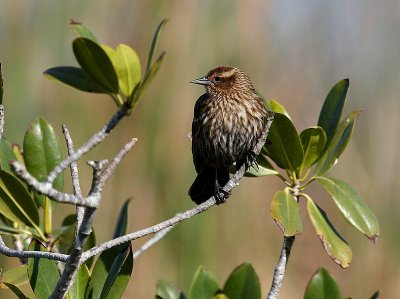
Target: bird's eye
x,y
217,79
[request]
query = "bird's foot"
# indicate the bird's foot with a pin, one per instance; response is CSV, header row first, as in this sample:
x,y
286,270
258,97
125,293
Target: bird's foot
x,y
220,194
251,161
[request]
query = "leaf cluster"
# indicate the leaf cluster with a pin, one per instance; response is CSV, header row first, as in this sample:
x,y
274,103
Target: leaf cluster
x,y
26,216
301,159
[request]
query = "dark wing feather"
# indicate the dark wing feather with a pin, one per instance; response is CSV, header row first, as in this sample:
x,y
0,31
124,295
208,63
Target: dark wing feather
x,y
197,128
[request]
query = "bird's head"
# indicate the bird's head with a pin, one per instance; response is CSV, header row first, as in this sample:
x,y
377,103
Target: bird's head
x,y
225,79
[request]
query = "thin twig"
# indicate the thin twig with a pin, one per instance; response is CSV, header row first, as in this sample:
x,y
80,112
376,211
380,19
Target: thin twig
x,y
91,143
157,237
74,176
5,250
232,183
109,169
1,119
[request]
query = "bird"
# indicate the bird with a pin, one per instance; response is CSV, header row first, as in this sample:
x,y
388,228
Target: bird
x,y
228,120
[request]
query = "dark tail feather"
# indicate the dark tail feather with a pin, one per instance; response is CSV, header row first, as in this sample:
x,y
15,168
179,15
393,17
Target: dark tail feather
x,y
203,186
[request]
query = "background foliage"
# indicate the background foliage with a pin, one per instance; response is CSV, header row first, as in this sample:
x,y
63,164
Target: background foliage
x,y
293,52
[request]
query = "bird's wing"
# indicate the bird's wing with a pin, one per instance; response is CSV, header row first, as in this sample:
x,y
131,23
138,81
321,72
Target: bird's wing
x,y
197,128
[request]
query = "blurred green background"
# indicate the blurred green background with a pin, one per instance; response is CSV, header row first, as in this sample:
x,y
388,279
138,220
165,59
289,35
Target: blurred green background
x,y
294,51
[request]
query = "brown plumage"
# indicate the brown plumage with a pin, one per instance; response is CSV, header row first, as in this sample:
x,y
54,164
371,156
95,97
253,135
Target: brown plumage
x,y
228,120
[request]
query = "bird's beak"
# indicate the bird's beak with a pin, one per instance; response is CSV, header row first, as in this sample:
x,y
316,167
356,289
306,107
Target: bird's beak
x,y
201,81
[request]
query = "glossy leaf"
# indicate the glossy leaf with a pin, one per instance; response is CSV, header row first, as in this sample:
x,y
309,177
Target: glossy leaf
x,y
334,244
16,276
353,208
96,64
243,283
127,66
220,296
278,108
16,203
136,95
332,108
74,77
78,289
153,47
1,84
263,168
42,153
285,212
111,272
165,290
6,155
285,148
43,273
313,141
322,286
204,285
82,31
16,291
337,145
122,223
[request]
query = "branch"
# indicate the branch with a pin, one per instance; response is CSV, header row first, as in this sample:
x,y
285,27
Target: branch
x,y
158,236
232,183
279,272
74,176
5,250
91,143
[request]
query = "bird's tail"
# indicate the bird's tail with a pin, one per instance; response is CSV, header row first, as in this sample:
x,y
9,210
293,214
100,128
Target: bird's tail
x,y
203,186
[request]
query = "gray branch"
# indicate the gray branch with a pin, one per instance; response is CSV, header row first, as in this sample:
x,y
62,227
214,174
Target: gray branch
x,y
74,176
5,250
91,143
279,272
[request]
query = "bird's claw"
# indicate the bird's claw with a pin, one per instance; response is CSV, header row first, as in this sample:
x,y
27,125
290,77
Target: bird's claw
x,y
220,195
251,161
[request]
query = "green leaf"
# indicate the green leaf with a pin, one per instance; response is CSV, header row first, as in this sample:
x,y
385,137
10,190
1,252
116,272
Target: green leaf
x,y
285,212
1,84
16,291
78,289
122,223
353,208
334,244
165,290
153,47
96,63
127,66
332,108
7,230
264,168
42,153
16,276
204,285
16,203
278,108
74,77
6,155
243,283
337,145
43,273
220,296
82,31
111,272
136,95
18,153
322,286
313,140
285,148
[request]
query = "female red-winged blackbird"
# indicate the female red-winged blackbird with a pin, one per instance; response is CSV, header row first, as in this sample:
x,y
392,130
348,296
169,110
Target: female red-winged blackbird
x,y
228,120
